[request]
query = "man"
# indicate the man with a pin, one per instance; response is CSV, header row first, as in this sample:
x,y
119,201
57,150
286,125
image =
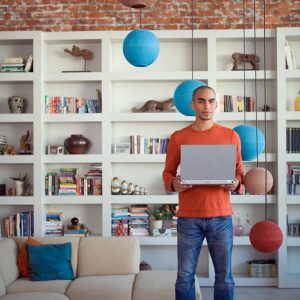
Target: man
x,y
204,211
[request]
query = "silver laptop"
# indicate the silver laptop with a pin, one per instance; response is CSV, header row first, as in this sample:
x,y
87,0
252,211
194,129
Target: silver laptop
x,y
208,164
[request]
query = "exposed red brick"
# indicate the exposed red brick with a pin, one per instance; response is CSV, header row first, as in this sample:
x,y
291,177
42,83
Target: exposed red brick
x,y
67,15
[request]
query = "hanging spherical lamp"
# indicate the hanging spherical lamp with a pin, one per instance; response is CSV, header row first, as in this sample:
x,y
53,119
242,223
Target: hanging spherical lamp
x,y
183,96
137,3
251,146
255,180
266,236
141,48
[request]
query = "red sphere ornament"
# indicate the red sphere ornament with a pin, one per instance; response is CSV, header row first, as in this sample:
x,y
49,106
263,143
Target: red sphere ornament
x,y
266,236
137,3
255,180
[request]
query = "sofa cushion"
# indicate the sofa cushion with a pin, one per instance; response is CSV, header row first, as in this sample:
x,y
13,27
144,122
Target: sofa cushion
x,y
22,258
50,262
23,285
108,256
112,287
8,266
158,285
35,296
56,240
2,287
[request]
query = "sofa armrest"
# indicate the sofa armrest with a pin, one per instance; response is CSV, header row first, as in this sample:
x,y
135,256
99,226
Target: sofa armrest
x,y
2,287
108,256
8,260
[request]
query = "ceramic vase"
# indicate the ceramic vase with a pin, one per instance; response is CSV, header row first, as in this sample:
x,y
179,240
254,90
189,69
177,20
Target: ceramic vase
x,y
19,186
76,144
16,104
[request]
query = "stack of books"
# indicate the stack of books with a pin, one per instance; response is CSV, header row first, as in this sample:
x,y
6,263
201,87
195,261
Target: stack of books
x,y
13,64
119,219
54,224
76,232
139,220
174,226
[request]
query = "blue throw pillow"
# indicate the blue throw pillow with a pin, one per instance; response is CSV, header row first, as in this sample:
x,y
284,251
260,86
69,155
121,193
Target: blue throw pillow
x,y
49,262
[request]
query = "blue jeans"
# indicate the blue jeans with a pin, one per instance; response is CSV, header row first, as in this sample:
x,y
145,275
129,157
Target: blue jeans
x,y
190,235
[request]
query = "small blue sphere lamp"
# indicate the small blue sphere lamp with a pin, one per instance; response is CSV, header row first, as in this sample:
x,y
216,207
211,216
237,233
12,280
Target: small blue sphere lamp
x,y
141,48
247,135
183,96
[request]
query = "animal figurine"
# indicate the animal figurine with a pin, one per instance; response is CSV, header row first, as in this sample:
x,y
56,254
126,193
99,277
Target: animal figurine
x,y
239,58
76,51
84,53
9,150
24,142
156,106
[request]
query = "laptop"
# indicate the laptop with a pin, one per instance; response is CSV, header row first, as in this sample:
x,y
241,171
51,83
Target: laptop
x,y
208,164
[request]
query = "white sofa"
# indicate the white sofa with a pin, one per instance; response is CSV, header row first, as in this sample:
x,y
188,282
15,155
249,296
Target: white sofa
x,y
104,269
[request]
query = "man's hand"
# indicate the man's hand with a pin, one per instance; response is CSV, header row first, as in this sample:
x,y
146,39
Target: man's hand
x,y
231,187
178,187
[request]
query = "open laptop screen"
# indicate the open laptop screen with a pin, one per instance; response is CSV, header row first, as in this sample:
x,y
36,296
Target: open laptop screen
x,y
208,164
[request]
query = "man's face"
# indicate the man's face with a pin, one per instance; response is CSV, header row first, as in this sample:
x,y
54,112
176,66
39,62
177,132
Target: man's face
x,y
204,104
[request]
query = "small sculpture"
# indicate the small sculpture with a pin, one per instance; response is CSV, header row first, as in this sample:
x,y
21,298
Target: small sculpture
x,y
239,58
156,106
136,190
130,189
24,143
124,187
115,186
84,53
9,150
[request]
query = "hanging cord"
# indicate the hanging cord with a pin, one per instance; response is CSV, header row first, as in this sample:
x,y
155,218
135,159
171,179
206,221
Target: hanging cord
x,y
140,11
255,82
244,52
265,113
192,13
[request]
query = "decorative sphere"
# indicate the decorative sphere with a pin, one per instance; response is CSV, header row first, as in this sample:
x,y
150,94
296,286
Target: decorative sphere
x,y
137,3
266,236
183,96
141,48
255,180
247,135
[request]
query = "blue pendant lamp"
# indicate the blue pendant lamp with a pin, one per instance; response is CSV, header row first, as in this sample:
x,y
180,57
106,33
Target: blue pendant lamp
x,y
184,92
140,47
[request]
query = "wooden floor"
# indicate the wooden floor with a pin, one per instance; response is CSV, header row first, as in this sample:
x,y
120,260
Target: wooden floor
x,y
257,293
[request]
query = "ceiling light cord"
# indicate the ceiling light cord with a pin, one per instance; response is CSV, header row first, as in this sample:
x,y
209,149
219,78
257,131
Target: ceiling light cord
x,y
192,17
244,62
265,112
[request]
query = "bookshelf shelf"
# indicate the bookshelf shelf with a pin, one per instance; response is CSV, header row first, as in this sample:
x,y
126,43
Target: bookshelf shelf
x,y
71,200
16,118
71,118
15,200
72,159
16,159
293,241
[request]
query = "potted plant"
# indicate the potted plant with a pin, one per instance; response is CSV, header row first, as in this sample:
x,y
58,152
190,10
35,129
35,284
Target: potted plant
x,y
163,214
20,183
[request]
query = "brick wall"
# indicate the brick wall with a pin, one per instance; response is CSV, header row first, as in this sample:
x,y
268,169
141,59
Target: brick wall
x,y
71,15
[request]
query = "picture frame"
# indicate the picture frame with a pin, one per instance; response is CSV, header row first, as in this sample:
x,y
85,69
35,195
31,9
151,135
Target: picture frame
x,y
55,150
121,148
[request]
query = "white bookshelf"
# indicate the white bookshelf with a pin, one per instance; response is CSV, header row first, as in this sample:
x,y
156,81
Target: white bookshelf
x,y
123,87
288,87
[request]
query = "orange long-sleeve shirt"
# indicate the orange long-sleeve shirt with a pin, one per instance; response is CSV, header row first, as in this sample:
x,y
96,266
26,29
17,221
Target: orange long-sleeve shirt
x,y
201,201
